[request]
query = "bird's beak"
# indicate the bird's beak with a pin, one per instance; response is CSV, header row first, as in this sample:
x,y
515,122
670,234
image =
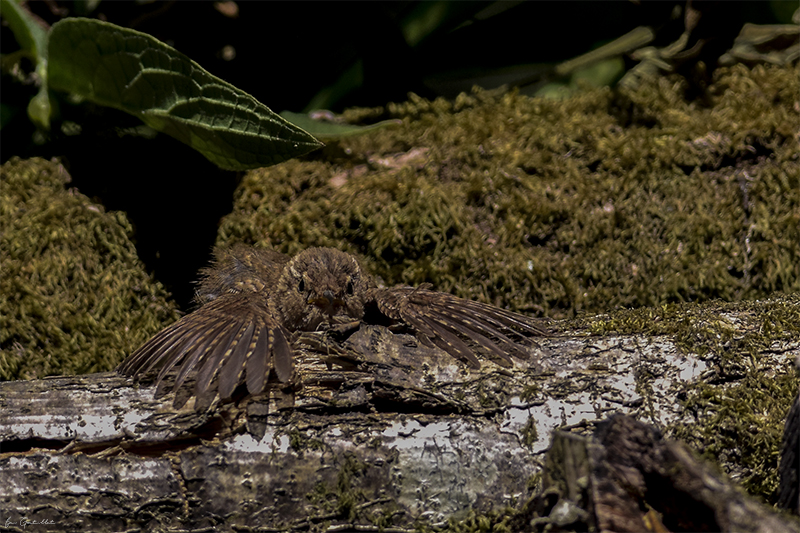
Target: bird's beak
x,y
327,302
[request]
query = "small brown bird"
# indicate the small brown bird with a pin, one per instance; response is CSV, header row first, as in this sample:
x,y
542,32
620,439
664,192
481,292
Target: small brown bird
x,y
251,300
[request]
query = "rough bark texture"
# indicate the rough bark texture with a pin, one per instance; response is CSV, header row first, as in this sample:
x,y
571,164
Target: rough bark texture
x,y
394,436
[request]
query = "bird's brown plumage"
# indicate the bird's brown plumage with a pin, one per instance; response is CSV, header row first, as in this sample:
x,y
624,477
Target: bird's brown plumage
x,y
251,300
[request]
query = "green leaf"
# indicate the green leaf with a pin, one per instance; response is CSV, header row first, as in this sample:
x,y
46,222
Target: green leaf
x,y
137,73
330,130
32,38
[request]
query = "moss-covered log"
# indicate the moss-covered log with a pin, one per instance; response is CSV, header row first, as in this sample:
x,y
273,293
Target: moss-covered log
x,y
382,434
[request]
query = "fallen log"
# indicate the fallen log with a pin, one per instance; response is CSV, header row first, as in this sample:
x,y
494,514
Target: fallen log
x,y
380,434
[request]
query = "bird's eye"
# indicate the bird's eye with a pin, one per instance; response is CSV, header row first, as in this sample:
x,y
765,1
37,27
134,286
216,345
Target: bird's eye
x,y
302,285
350,289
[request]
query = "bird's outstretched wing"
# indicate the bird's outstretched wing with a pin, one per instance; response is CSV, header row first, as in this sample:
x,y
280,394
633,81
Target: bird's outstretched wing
x,y
446,320
231,339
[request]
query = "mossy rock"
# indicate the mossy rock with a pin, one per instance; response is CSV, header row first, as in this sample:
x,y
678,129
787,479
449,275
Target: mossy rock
x,y
74,297
609,199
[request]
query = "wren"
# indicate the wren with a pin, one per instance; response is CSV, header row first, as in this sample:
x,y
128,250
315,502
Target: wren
x,y
251,300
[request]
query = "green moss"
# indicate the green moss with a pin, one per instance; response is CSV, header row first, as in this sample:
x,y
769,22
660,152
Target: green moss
x,y
740,427
74,297
343,499
348,495
529,433
530,392
604,200
496,521
322,497
297,441
535,483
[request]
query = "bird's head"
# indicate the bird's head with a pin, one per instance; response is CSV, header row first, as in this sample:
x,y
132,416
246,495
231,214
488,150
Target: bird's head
x,y
319,284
